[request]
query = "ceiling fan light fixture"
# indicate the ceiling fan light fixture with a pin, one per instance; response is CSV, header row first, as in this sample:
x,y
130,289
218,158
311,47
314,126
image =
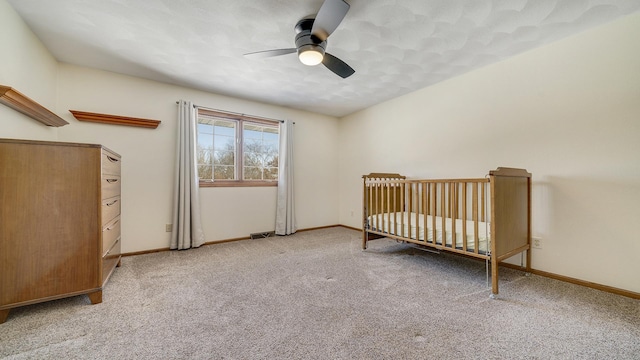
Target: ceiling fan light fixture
x,y
311,55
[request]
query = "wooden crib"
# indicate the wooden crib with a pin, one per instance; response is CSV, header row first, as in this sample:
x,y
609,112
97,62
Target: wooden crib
x,y
487,218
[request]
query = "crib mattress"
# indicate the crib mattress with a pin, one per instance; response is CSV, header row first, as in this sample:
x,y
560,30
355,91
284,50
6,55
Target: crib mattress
x,y
388,223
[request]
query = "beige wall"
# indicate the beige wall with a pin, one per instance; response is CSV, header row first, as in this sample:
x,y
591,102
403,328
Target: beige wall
x,y
148,157
568,112
27,66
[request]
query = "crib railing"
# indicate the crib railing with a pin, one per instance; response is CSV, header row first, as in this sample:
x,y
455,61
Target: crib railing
x,y
408,209
413,210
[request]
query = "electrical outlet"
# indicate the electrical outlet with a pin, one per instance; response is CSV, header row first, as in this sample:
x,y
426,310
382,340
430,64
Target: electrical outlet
x,y
536,243
168,227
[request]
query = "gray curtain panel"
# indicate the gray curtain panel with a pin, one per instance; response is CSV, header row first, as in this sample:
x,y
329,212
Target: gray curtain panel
x,y
187,226
285,211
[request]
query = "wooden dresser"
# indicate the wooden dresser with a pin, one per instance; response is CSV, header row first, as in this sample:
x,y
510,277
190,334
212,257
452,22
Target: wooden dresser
x,y
59,221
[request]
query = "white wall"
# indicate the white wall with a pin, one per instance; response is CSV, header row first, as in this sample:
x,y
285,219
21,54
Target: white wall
x,y
148,157
568,112
27,66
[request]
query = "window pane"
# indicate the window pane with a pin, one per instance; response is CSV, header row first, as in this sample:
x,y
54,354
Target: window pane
x,y
224,143
225,150
224,158
271,161
271,173
252,173
216,146
205,129
260,149
252,159
252,133
270,136
271,148
204,151
204,172
222,172
205,141
225,127
203,157
254,146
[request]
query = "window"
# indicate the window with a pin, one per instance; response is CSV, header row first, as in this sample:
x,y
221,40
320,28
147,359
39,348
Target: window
x,y
236,150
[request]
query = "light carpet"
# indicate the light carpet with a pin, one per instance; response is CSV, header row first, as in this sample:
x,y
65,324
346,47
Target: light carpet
x,y
317,295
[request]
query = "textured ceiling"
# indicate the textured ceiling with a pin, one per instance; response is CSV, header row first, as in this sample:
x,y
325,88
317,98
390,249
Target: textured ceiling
x,y
395,46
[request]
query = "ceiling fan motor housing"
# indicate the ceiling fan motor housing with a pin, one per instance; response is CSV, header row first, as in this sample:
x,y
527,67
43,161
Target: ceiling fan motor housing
x,y
304,40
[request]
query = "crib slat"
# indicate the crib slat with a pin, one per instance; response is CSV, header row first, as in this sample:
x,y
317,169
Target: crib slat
x,y
380,205
372,205
476,241
464,216
377,191
452,202
425,204
373,209
418,210
482,187
443,188
434,211
391,192
369,204
402,209
409,208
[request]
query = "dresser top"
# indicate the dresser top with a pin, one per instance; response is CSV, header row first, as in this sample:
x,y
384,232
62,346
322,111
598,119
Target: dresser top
x,y
54,143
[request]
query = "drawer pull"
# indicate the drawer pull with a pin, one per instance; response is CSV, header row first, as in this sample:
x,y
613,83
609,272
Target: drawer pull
x,y
111,203
111,181
113,225
112,159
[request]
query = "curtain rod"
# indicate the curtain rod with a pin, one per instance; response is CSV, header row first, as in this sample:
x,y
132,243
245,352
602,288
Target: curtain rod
x,y
233,113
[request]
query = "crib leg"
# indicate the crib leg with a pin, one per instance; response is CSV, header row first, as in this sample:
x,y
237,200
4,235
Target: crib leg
x,y
494,277
364,240
486,268
527,267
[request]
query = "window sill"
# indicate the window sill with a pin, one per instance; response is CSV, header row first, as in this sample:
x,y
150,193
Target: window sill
x,y
238,183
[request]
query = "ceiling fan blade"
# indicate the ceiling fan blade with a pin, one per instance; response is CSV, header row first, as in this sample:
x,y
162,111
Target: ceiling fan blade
x,y
329,17
269,53
338,66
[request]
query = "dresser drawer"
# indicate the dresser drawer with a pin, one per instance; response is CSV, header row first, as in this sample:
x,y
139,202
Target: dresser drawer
x,y
110,260
110,163
110,209
110,233
110,186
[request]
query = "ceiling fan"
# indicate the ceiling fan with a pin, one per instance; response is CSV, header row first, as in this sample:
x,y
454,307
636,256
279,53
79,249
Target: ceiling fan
x,y
311,39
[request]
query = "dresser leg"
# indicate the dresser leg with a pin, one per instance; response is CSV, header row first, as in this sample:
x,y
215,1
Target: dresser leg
x,y
95,297
3,315
119,262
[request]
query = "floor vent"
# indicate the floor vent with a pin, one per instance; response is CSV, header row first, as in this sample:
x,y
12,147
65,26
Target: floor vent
x,y
261,235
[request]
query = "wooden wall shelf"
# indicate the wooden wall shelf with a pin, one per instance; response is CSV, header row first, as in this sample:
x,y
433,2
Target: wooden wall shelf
x,y
19,102
115,119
